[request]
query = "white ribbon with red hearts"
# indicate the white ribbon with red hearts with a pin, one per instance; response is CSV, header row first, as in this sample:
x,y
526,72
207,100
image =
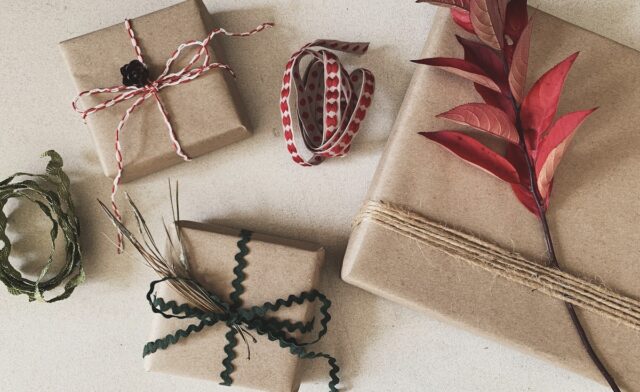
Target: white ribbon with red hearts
x,y
329,103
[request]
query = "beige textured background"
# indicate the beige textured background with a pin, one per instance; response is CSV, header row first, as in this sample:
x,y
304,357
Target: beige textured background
x,y
93,341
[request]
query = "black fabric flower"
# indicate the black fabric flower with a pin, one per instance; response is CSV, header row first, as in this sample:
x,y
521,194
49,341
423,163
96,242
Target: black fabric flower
x,y
135,74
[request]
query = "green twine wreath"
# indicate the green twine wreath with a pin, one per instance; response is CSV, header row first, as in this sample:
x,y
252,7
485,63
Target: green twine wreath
x,y
50,192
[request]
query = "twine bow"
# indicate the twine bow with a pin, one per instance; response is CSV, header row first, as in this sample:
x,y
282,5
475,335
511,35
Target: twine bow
x,y
241,320
197,66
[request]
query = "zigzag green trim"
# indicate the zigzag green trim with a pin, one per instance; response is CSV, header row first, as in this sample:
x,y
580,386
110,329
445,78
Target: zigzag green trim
x,y
164,343
158,305
171,309
236,302
298,350
238,270
254,317
50,192
225,375
290,326
260,311
326,317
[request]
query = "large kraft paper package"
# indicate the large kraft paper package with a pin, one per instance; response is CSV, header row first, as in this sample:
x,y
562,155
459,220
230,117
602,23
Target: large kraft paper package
x,y
276,268
594,212
205,113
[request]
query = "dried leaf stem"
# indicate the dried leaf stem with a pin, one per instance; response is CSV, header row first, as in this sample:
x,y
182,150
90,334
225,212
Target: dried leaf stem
x,y
176,265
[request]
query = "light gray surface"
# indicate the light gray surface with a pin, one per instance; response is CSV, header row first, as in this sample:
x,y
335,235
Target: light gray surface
x,y
93,341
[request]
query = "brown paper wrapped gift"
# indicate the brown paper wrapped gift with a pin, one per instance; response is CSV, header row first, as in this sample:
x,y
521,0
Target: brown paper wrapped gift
x,y
204,113
276,268
594,210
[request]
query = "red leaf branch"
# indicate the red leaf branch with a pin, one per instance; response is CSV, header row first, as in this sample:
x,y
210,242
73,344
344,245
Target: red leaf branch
x,y
497,64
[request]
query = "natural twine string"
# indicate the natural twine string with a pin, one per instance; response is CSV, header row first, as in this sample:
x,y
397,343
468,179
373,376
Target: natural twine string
x,y
474,251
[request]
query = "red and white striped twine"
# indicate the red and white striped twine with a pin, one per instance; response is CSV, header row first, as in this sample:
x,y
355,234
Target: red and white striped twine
x,y
167,78
325,106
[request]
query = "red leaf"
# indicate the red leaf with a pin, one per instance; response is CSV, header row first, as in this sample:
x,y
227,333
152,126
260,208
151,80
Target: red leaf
x,y
461,68
508,53
487,22
553,145
502,7
563,127
485,118
516,156
516,20
463,19
475,153
526,199
498,100
540,105
463,4
485,58
522,190
520,65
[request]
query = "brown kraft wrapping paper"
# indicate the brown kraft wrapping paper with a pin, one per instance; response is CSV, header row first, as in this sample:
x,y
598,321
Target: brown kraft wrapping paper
x,y
275,269
204,113
594,213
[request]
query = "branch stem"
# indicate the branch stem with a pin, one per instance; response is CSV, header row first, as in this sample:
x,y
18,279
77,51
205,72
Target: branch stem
x,y
551,254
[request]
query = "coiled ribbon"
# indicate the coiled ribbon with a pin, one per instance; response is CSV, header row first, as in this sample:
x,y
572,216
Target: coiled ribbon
x,y
50,192
322,109
254,318
197,66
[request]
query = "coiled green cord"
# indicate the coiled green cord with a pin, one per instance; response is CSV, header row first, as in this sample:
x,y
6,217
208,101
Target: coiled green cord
x,y
50,192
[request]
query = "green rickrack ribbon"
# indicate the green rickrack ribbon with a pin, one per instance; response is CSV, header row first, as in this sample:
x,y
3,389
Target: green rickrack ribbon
x,y
253,318
50,192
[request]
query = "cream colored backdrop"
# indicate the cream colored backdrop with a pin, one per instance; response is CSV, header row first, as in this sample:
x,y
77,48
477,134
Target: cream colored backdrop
x,y
94,340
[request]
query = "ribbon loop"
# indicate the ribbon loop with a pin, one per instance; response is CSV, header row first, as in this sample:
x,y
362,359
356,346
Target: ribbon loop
x,y
324,106
196,67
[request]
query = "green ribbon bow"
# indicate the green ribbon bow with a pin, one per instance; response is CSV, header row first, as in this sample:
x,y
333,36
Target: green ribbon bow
x,y
50,192
235,317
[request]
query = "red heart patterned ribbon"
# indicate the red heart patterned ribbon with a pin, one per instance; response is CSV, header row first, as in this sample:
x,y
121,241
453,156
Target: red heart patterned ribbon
x,y
198,65
325,106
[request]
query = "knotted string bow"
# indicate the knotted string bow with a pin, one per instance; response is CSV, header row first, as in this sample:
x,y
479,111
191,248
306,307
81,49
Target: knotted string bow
x,y
140,92
240,319
324,106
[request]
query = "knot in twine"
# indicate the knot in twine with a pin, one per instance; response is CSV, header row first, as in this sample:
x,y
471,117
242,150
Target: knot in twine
x,y
137,85
324,107
242,320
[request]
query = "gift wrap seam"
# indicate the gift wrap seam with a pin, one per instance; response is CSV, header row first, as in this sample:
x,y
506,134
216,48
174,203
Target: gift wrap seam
x,y
510,265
